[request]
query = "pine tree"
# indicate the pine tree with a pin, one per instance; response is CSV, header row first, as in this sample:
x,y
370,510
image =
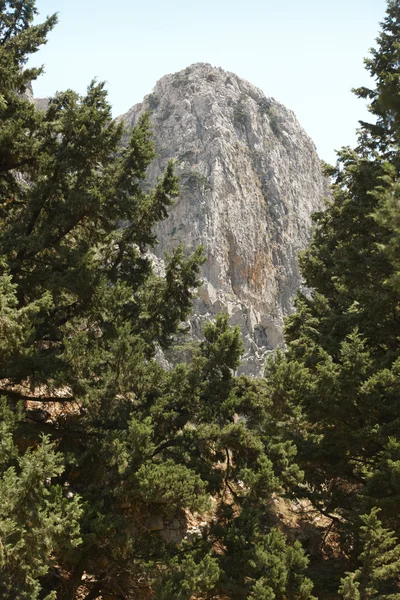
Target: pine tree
x,y
378,577
383,66
342,406
36,519
19,120
98,441
78,294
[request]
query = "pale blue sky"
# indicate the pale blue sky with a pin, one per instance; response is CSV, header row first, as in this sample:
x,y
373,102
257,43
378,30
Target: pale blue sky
x,y
307,54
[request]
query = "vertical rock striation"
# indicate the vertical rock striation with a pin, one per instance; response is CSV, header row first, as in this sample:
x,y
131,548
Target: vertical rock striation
x,y
250,180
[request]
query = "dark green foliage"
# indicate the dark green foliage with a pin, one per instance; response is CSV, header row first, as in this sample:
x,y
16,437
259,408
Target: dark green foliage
x,y
240,113
153,101
383,66
378,576
337,388
261,565
267,108
36,519
264,106
193,181
186,575
18,39
97,440
283,567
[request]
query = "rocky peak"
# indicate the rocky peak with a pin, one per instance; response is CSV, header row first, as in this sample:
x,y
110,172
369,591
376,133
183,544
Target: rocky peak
x,y
250,180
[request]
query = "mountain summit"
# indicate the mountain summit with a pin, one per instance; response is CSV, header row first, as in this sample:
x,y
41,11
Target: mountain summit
x,y
250,180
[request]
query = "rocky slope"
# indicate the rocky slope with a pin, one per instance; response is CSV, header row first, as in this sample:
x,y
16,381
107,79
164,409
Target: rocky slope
x,y
250,179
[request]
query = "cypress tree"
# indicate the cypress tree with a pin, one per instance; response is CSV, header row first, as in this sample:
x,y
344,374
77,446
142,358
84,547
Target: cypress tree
x,y
378,576
338,384
101,447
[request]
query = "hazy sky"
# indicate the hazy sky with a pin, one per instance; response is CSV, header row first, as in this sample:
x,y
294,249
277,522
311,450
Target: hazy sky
x,y
307,54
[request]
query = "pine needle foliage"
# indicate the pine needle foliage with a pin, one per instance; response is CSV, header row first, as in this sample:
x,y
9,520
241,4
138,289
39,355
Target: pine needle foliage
x,y
378,576
101,448
338,384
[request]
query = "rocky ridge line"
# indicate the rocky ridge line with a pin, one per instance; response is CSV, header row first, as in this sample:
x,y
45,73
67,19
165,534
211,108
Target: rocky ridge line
x,y
250,180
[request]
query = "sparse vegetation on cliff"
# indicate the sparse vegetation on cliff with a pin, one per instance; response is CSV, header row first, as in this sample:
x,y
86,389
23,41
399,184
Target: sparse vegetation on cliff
x,y
122,479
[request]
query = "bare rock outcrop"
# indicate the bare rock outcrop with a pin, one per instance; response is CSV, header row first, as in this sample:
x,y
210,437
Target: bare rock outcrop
x,y
250,180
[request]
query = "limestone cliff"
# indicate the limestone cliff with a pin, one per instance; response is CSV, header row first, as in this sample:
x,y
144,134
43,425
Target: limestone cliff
x,y
250,180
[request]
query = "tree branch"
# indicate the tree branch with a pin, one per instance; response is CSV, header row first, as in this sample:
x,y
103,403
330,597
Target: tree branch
x,y
16,165
164,445
12,27
94,592
20,396
228,466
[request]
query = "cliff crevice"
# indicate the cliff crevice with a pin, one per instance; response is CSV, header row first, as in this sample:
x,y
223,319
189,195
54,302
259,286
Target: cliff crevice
x,y
250,180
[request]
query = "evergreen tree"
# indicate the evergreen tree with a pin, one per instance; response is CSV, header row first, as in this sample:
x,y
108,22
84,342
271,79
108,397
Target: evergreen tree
x,y
378,577
338,384
35,517
98,441
383,65
19,120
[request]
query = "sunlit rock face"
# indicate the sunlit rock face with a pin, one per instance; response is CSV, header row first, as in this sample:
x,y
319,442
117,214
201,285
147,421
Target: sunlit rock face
x,y
250,180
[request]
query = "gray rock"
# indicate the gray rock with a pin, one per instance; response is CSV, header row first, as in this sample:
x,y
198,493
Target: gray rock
x,y
250,180
154,523
40,103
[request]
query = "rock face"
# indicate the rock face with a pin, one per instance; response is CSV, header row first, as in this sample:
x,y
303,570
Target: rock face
x,y
250,179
